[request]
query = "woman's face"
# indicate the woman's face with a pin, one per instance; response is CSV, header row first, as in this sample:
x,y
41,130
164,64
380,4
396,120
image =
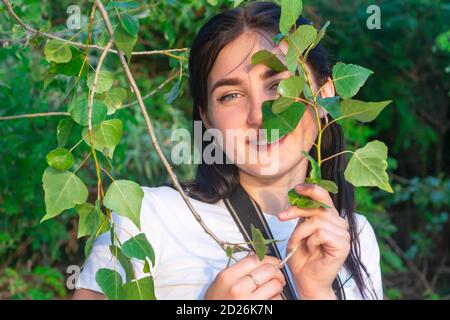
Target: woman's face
x,y
236,92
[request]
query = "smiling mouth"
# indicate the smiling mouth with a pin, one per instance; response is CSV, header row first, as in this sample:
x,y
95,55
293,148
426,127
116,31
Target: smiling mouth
x,y
262,142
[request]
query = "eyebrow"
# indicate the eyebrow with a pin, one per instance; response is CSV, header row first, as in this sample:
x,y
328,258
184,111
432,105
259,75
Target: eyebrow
x,y
237,81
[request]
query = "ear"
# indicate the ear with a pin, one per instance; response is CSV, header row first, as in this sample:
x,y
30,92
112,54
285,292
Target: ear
x,y
326,91
204,118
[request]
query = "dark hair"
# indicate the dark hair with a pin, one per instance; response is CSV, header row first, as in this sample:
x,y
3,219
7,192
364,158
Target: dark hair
x,y
214,182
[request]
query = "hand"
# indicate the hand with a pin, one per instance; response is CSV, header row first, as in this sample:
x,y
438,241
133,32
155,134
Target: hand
x,y
234,282
324,244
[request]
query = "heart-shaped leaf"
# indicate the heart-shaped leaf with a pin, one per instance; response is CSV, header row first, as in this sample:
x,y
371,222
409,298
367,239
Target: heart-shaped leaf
x,y
349,78
63,190
367,167
79,111
125,198
105,136
362,111
110,282
57,51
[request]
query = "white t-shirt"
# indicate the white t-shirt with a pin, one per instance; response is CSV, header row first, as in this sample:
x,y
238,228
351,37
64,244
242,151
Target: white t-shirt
x,y
187,260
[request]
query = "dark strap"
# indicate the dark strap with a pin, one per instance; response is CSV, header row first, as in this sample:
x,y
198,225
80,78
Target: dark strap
x,y
245,211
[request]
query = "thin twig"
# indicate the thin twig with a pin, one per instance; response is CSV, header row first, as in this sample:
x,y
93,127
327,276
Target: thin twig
x,y
151,132
35,115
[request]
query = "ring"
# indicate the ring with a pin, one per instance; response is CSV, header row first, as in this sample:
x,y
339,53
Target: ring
x,y
254,279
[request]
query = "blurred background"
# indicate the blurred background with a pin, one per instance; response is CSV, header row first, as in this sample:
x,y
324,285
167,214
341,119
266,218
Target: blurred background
x,y
410,55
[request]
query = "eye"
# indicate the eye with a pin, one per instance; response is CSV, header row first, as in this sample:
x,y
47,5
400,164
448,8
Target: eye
x,y
275,86
229,97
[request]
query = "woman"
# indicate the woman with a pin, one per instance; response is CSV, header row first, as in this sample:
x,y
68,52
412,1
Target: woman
x,y
338,255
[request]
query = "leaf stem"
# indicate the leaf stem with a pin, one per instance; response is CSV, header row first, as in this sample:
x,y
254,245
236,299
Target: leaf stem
x,y
337,154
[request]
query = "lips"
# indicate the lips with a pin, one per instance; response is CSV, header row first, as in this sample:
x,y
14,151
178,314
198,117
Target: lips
x,y
262,142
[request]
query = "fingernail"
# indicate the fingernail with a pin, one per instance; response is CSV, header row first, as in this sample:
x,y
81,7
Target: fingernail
x,y
282,215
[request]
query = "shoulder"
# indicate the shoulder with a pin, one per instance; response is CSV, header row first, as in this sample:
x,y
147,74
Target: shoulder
x,y
365,232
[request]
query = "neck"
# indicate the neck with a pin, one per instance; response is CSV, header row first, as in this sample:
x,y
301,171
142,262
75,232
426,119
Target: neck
x,y
271,193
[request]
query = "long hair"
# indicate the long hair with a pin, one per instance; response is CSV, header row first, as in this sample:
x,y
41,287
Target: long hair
x,y
214,182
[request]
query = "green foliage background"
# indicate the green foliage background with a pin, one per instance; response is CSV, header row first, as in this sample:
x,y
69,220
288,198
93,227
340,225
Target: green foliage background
x,y
411,60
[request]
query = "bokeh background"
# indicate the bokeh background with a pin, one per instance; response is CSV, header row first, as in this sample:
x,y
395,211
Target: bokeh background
x,y
410,55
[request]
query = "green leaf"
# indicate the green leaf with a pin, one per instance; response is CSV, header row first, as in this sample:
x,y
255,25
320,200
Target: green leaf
x,y
291,87
125,198
302,201
57,51
331,105
142,289
63,131
290,12
258,242
113,99
130,24
110,282
315,169
367,167
124,41
320,35
63,190
349,78
104,81
139,248
173,93
79,111
91,219
125,262
301,39
285,122
362,111
328,185
281,104
268,59
105,136
60,158
71,68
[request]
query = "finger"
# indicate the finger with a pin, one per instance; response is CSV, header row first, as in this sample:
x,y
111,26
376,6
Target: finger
x,y
295,212
311,225
249,263
277,297
333,244
266,272
268,290
314,192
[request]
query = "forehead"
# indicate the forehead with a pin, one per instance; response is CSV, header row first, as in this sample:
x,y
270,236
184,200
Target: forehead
x,y
234,59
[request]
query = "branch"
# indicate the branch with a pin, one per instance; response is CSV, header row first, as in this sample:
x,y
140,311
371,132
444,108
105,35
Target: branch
x,y
151,132
410,264
82,45
48,114
35,115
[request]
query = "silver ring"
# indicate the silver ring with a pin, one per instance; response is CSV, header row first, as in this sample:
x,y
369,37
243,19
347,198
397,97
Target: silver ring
x,y
254,279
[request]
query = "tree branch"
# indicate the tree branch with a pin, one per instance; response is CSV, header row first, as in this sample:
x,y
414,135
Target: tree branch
x,y
151,132
79,44
35,115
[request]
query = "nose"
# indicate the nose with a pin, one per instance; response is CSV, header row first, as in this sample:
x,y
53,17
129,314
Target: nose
x,y
254,117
